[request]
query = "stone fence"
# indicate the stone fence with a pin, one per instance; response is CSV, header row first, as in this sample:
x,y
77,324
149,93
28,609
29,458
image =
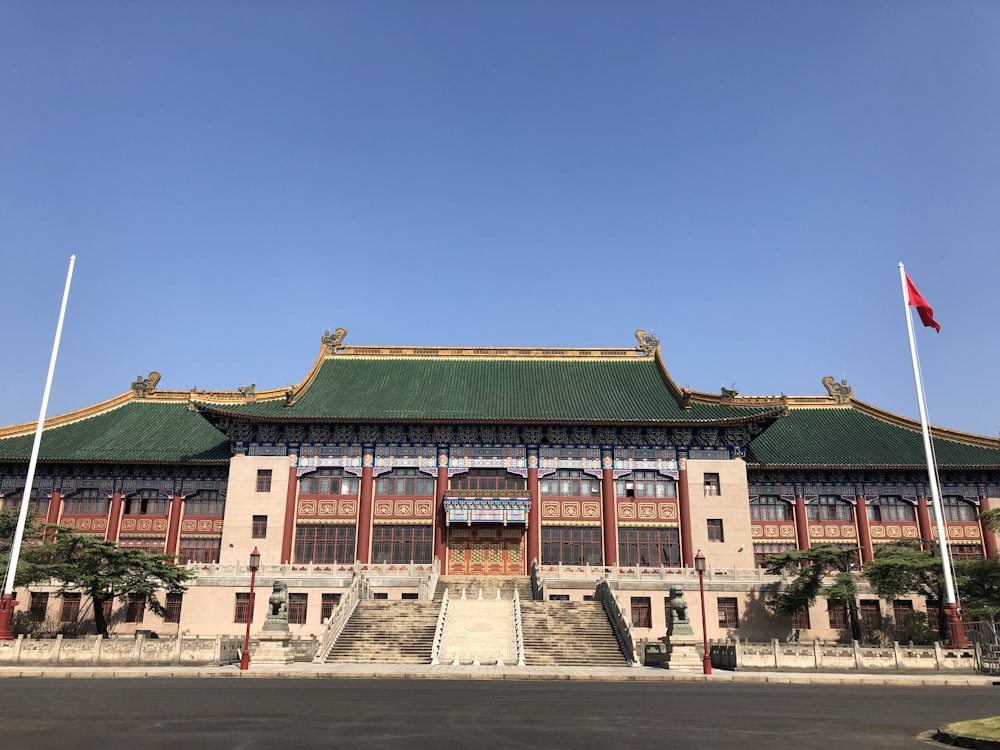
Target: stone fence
x,y
124,652
842,657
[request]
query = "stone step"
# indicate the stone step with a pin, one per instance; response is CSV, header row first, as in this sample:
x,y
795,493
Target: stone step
x,y
388,632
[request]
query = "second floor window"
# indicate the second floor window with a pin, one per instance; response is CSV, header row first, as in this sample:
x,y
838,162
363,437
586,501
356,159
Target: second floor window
x,y
488,480
570,483
829,508
329,482
891,509
86,502
405,482
770,508
645,484
147,503
205,503
263,480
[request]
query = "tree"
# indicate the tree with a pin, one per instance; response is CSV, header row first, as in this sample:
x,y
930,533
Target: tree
x,y
812,567
103,571
901,568
979,581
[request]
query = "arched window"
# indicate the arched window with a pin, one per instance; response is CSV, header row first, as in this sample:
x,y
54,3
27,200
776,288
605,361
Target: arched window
x,y
329,482
86,502
570,483
488,480
957,508
830,508
645,484
891,509
147,503
205,503
404,482
770,508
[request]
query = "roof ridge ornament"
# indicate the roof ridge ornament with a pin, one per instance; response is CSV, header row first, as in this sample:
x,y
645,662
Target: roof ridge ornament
x,y
335,342
141,386
841,392
648,343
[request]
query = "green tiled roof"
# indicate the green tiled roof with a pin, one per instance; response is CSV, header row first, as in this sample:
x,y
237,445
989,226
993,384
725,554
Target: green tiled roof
x,y
848,437
489,389
137,432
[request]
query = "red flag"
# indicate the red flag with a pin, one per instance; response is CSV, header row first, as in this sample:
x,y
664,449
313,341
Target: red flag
x,y
925,311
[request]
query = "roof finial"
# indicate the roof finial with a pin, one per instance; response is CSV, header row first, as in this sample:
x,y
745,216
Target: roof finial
x,y
647,342
334,342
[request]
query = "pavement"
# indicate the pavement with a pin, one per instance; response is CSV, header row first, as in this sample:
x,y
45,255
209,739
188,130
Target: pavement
x,y
309,670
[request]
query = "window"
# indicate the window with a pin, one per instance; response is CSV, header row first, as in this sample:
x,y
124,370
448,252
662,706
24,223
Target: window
x,y
645,484
891,509
135,606
263,480
902,611
404,482
297,608
205,503
259,528
70,608
558,597
154,545
570,483
328,603
715,530
38,504
829,508
86,502
173,607
770,508
956,509
649,546
329,482
402,544
488,480
871,614
409,595
642,615
326,543
728,612
837,615
764,550
380,595
39,605
242,609
147,503
193,550
712,486
965,551
800,619
571,545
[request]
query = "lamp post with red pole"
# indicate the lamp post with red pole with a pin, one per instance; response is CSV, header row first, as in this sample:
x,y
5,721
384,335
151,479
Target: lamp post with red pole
x,y
254,567
699,565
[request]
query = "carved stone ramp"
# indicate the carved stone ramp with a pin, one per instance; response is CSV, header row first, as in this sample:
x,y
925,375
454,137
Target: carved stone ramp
x,y
387,632
478,631
569,634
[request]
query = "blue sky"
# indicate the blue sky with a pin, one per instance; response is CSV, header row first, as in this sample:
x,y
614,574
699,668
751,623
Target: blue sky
x,y
740,178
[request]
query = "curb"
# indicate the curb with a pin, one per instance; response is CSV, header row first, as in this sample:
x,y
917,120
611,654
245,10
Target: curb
x,y
959,740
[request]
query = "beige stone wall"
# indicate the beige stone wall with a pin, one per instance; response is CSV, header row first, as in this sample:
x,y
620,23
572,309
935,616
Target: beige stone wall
x,y
731,505
243,502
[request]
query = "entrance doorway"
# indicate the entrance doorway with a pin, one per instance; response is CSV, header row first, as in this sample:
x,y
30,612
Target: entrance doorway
x,y
485,550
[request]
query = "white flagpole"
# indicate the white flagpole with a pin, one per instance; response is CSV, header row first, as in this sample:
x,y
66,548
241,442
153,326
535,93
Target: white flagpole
x,y
932,477
7,602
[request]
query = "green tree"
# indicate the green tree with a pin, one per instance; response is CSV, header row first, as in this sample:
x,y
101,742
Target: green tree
x,y
978,580
812,569
103,571
901,568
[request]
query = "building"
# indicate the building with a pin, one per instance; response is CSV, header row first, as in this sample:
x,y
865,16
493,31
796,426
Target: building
x,y
402,462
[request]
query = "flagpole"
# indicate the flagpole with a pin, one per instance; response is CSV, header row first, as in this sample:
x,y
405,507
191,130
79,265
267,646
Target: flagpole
x,y
7,602
956,632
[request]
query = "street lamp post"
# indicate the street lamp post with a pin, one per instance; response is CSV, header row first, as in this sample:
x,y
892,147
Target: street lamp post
x,y
254,567
699,565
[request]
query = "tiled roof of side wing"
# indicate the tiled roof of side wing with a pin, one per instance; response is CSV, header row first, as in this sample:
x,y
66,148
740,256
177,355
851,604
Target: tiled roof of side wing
x,y
139,431
854,437
492,389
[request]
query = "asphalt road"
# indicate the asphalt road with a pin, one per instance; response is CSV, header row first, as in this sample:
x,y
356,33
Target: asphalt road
x,y
401,714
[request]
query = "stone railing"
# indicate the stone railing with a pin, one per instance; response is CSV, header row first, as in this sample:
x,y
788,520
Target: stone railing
x,y
839,657
138,651
335,624
439,630
429,585
334,570
518,630
618,574
619,623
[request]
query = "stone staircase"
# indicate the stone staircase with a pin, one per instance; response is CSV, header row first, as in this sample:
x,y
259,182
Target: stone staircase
x,y
388,632
569,634
487,584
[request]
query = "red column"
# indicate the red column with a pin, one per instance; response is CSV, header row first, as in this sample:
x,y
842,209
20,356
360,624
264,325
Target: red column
x,y
610,516
174,524
288,531
864,535
989,536
440,487
55,505
535,514
801,522
924,524
684,510
365,509
114,518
